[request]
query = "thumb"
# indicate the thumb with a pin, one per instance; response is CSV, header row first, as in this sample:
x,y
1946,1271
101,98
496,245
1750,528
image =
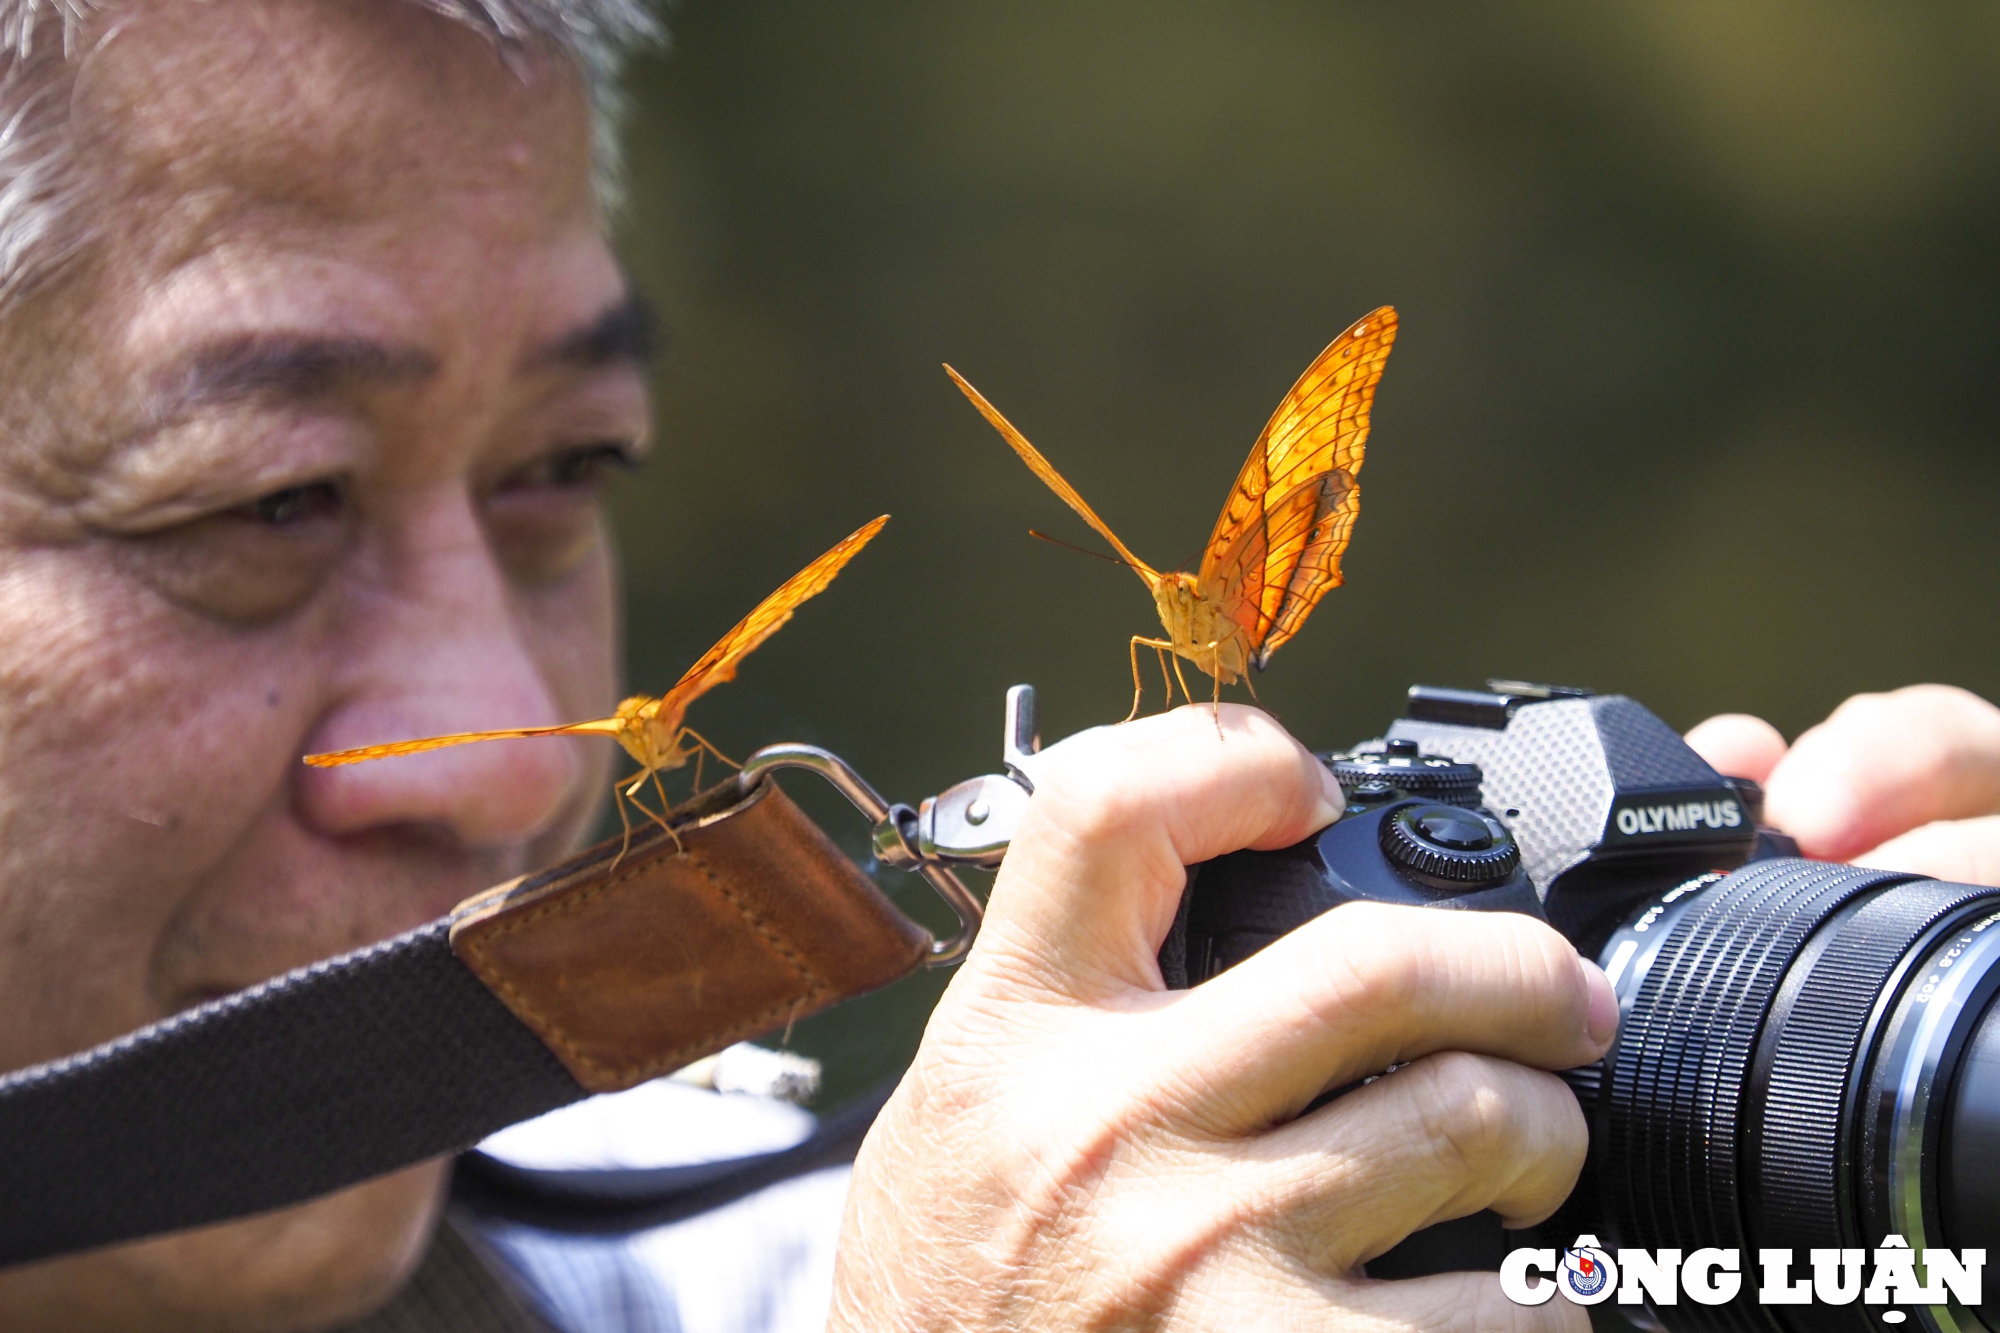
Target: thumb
x,y
1096,869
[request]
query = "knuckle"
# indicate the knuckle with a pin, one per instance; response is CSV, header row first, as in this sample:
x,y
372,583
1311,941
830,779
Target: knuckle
x,y
1925,735
1946,710
1945,701
1469,1114
1561,1135
1860,712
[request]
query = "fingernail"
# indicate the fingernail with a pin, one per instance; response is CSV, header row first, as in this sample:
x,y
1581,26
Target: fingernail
x,y
1603,1002
1332,800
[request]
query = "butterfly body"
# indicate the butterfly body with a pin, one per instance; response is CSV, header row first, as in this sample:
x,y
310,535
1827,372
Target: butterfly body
x,y
1199,627
650,733
1277,546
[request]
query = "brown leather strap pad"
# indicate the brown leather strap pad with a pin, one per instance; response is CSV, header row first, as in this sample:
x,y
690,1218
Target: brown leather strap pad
x,y
743,919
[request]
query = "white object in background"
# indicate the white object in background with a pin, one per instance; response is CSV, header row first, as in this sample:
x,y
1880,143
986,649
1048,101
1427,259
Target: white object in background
x,y
662,1123
756,1071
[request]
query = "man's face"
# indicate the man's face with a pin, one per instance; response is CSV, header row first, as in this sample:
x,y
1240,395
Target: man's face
x,y
302,457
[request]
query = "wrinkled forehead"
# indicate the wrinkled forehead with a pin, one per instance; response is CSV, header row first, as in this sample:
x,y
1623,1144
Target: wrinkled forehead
x,y
197,114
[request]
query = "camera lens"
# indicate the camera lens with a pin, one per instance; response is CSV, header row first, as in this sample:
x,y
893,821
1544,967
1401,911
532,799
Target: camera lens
x,y
1805,1060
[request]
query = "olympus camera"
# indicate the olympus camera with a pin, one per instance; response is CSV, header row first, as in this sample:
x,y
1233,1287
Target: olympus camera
x,y
1805,1056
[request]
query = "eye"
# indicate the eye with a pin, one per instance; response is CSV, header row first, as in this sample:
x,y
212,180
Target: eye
x,y
547,516
252,562
579,466
296,504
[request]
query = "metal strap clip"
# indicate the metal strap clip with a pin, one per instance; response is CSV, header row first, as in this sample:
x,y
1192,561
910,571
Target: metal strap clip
x,y
970,823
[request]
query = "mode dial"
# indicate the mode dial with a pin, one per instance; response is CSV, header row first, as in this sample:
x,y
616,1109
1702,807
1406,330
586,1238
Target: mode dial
x,y
1450,844
1399,763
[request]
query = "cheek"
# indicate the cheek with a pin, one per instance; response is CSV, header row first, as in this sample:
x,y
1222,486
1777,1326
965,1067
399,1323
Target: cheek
x,y
136,747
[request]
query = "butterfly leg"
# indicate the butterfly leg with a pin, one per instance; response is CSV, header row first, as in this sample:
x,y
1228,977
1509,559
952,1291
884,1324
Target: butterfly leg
x,y
1215,674
704,743
630,791
703,746
665,806
618,799
1157,645
1186,693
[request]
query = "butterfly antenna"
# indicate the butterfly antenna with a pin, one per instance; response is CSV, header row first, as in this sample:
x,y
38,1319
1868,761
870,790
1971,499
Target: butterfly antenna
x,y
1080,550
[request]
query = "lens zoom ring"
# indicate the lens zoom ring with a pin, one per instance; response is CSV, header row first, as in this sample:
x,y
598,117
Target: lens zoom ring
x,y
1813,1062
1687,1024
1675,1085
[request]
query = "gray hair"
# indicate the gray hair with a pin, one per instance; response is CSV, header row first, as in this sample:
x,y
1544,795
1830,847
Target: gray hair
x,y
42,205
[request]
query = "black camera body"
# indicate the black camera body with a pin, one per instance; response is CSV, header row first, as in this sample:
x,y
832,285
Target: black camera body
x,y
1804,1058
1601,802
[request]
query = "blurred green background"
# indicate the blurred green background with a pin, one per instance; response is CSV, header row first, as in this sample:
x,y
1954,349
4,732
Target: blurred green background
x,y
1695,396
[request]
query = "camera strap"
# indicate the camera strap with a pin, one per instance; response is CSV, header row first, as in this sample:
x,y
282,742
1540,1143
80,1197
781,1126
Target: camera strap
x,y
737,917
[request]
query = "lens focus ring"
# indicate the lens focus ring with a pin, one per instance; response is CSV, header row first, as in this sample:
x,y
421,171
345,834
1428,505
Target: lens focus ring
x,y
1801,1201
1673,1088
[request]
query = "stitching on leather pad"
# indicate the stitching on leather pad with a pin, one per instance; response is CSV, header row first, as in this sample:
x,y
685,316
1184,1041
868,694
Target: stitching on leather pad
x,y
572,902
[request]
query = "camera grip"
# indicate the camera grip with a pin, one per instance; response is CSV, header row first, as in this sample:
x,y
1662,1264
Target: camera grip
x,y
1237,904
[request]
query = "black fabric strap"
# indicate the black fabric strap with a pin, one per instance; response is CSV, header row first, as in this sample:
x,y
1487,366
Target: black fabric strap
x,y
329,1075
612,1202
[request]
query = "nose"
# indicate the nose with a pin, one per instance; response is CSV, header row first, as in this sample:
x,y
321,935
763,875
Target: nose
x,y
439,647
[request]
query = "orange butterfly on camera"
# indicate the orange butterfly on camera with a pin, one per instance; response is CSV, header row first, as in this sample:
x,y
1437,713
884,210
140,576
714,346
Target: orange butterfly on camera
x,y
1276,548
651,729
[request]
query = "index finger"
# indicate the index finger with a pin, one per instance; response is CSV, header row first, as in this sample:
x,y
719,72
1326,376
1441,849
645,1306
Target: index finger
x,y
1369,985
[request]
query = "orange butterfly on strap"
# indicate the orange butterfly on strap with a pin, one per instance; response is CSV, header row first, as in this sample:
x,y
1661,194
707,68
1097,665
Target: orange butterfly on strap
x,y
1276,548
651,729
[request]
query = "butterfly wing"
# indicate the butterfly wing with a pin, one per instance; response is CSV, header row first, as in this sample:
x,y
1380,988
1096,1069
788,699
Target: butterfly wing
x,y
609,726
1051,478
1336,502
1319,432
720,662
1315,519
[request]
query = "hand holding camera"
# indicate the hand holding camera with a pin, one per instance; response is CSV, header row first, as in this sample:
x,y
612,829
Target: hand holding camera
x,y
1264,1206
1167,1174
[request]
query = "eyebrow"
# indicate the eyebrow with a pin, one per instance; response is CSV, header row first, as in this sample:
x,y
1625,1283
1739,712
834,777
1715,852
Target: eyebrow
x,y
627,333
302,367
287,365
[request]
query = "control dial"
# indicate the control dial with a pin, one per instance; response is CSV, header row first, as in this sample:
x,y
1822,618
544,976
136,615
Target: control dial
x,y
1450,845
1399,763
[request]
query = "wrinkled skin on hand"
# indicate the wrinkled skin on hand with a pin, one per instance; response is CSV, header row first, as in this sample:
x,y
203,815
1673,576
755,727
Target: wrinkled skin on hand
x,y
1908,780
1077,1147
